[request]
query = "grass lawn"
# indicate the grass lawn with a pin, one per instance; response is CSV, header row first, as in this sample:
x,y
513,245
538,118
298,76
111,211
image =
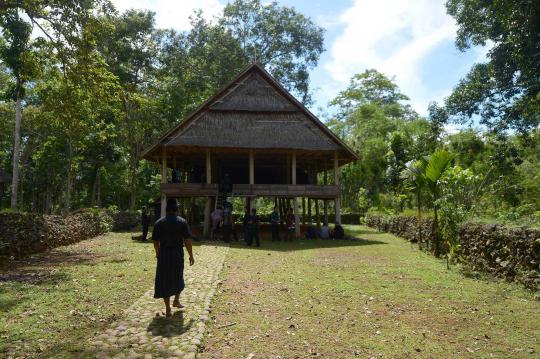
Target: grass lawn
x,y
51,303
375,296
371,297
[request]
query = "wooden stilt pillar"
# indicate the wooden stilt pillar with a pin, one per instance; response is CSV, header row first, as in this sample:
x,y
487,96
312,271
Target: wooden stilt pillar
x,y
296,214
310,218
208,204
336,182
303,210
317,217
325,203
296,218
207,213
163,179
281,202
251,167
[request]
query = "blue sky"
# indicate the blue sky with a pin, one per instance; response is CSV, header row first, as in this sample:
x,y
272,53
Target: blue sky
x,y
411,40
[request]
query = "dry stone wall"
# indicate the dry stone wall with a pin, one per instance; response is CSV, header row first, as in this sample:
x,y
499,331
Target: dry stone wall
x,y
509,253
27,233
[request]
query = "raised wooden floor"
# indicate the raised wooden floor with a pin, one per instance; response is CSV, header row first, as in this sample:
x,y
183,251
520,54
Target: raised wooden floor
x,y
251,190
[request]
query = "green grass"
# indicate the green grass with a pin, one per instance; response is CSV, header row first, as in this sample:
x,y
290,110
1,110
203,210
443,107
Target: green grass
x,y
366,297
531,221
52,302
376,296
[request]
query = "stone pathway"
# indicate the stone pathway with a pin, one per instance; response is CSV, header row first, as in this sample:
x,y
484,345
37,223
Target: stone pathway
x,y
141,333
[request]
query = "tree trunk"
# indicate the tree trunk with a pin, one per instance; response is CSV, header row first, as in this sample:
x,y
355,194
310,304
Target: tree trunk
x,y
48,198
94,188
98,181
16,153
68,180
133,174
20,196
435,229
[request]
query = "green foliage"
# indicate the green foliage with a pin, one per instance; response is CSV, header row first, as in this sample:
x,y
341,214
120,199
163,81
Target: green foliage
x,y
504,90
279,37
396,158
384,131
459,191
15,52
363,201
110,84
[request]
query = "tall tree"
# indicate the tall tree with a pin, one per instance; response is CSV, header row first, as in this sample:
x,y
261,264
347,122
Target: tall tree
x,y
504,91
195,64
131,49
78,97
16,54
279,37
370,108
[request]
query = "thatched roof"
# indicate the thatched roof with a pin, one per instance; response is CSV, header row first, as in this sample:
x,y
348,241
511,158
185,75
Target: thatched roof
x,y
253,112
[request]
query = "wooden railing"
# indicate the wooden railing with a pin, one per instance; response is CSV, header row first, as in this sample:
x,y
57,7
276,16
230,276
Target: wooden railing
x,y
251,190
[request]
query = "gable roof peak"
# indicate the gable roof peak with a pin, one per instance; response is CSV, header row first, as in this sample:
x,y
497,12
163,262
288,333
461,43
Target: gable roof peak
x,y
253,90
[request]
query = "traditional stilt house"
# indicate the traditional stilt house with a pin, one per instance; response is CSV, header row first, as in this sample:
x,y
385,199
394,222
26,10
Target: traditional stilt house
x,y
267,142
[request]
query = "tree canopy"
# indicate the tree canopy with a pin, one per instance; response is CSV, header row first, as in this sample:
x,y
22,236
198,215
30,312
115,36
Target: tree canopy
x,y
504,91
99,86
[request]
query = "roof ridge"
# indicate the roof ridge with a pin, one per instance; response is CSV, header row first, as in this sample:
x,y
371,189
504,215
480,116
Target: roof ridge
x,y
229,89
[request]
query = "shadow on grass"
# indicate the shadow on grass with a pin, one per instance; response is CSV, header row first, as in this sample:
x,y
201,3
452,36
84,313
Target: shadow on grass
x,y
294,245
353,240
169,327
51,259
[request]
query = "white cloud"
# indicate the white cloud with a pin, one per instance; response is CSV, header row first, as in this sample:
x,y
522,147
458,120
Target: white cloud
x,y
173,13
392,36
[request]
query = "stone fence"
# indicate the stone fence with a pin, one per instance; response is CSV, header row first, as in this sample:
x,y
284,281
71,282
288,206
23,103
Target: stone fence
x,y
509,253
26,233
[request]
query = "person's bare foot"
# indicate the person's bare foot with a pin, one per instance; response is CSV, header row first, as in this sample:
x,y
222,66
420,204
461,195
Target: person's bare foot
x,y
168,313
177,304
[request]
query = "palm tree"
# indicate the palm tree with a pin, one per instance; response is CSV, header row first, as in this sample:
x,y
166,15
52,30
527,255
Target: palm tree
x,y
436,166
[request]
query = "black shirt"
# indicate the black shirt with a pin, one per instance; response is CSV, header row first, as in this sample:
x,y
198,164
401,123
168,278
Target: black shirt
x,y
170,231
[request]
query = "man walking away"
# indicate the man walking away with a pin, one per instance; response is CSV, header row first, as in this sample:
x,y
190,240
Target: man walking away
x,y
171,233
274,221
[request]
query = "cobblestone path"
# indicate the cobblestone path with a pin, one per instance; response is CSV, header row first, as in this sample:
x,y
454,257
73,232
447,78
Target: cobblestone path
x,y
143,331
